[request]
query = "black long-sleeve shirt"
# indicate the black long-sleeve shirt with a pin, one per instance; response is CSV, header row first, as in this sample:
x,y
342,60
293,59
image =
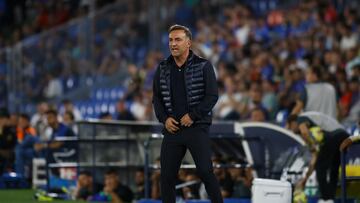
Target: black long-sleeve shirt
x,y
178,90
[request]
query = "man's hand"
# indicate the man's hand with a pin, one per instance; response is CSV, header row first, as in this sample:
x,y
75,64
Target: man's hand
x,y
300,185
39,146
347,142
108,189
171,125
186,120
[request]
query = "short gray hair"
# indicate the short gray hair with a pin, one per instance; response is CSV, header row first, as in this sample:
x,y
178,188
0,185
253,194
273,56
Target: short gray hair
x,y
181,27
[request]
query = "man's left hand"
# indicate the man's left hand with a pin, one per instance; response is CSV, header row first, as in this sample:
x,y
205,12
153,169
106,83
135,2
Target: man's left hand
x,y
186,120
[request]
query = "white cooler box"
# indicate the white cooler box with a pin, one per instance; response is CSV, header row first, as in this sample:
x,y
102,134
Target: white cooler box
x,y
271,191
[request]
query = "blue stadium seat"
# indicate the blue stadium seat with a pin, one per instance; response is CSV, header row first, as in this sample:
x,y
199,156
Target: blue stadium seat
x,y
112,108
116,93
106,94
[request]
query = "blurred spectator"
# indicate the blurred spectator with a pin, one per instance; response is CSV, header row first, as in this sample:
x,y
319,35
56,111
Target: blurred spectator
x,y
3,89
7,142
105,116
229,102
122,112
138,108
135,81
24,150
53,88
59,130
38,120
85,186
113,187
256,99
257,115
191,191
155,181
224,178
68,119
140,184
69,106
242,177
317,96
269,100
110,64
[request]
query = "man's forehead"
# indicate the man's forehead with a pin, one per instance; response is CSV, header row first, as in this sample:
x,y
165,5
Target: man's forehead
x,y
177,33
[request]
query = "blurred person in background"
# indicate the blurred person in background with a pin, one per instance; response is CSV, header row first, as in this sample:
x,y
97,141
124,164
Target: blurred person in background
x,y
7,142
255,101
257,115
323,135
106,116
155,180
24,150
140,184
3,88
113,187
69,121
138,106
122,112
85,186
191,191
317,96
269,100
185,91
49,147
242,178
226,107
54,88
68,106
224,178
38,120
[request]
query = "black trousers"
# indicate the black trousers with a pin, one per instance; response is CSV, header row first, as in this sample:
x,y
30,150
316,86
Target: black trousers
x,y
173,148
328,162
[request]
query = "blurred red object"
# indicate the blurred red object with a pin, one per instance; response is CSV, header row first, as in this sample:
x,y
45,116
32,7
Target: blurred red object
x,y
275,18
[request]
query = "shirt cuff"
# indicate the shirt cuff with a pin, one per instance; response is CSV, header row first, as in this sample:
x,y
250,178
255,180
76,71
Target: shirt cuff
x,y
355,138
192,116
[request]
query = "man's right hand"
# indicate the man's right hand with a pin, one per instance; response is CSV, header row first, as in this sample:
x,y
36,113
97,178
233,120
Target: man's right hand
x,y
171,125
345,144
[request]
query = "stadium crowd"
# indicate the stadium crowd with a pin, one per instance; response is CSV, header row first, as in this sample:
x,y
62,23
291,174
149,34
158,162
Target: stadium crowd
x,y
263,64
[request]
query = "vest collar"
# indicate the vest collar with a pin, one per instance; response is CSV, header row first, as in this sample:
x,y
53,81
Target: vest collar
x,y
189,59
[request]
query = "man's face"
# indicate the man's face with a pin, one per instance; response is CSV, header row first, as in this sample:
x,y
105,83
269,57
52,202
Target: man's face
x,y
111,181
179,43
235,172
310,76
23,123
84,180
52,120
139,178
257,116
3,121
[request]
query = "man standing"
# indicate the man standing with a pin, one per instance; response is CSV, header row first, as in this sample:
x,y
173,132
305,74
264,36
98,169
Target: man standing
x,y
317,96
185,91
323,135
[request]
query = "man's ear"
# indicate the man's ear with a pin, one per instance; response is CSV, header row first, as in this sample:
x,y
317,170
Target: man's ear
x,y
189,43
